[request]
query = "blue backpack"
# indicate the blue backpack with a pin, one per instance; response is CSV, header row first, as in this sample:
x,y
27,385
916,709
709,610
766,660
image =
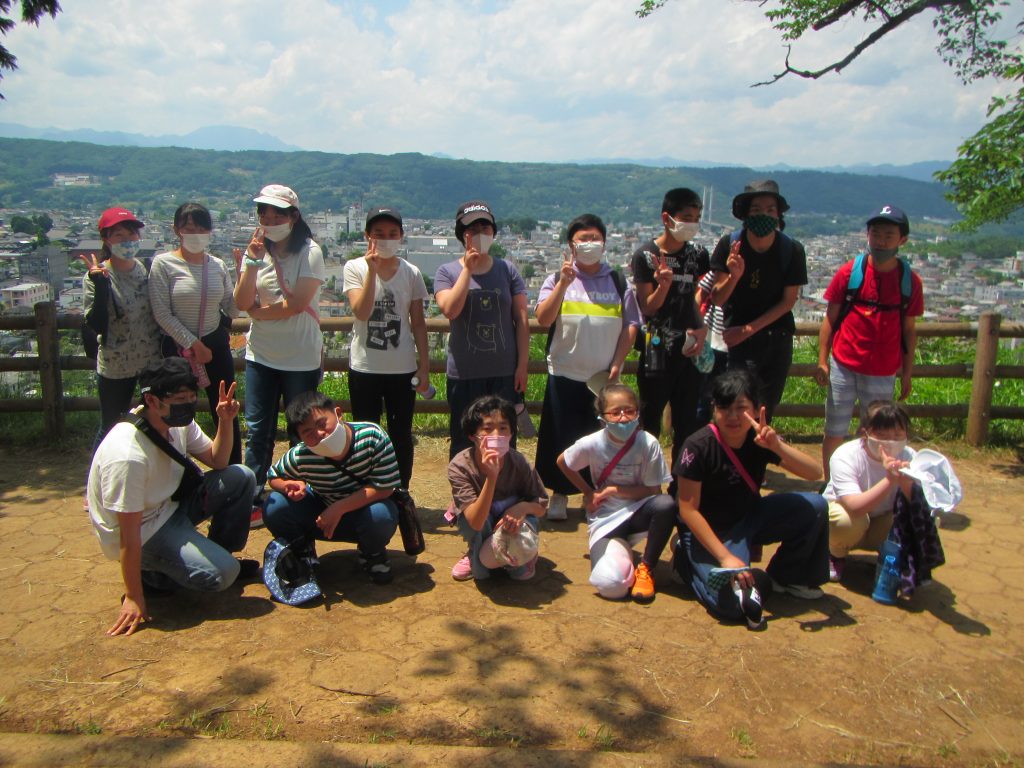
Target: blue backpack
x,y
853,288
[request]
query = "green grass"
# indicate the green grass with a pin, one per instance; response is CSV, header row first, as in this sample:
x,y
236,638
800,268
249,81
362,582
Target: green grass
x,y
23,429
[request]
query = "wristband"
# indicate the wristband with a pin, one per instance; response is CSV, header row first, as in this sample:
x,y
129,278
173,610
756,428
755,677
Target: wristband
x,y
253,262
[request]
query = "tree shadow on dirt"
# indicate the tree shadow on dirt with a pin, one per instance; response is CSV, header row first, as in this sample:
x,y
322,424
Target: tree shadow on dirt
x,y
498,671
935,598
780,482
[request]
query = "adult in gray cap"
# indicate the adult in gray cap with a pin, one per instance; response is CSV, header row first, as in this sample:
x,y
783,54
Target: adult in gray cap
x,y
146,496
760,271
485,300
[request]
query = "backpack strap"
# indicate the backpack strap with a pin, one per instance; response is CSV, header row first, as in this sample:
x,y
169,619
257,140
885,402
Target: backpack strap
x,y
140,423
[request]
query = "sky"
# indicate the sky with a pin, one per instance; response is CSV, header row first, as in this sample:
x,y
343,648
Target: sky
x,y
519,80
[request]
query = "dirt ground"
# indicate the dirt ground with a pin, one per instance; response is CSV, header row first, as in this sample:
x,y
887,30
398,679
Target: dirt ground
x,y
430,671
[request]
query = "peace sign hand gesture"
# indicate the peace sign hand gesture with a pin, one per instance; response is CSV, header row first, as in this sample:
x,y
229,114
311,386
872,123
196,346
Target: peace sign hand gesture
x,y
227,406
257,248
764,435
735,263
663,274
96,267
567,273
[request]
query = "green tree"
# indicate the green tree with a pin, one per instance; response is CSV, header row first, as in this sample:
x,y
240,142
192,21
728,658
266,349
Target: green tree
x,y
528,271
22,224
31,12
987,179
498,251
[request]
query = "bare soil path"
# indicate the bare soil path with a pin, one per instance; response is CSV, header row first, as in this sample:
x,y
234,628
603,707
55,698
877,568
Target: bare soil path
x,y
431,671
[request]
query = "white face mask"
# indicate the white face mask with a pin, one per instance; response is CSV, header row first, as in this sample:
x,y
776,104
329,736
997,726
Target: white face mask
x,y
126,250
482,243
196,243
277,232
387,249
589,252
894,448
683,231
334,444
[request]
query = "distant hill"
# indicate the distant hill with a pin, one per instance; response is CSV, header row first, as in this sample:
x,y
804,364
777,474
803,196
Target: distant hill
x,y
223,137
158,179
923,171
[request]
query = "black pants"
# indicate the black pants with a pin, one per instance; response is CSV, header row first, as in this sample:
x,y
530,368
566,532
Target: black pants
x,y
767,355
567,416
374,394
678,385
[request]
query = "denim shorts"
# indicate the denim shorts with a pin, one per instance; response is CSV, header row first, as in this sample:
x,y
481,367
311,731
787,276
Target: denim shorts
x,y
845,388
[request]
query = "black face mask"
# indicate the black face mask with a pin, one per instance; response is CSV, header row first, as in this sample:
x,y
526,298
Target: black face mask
x,y
181,414
761,224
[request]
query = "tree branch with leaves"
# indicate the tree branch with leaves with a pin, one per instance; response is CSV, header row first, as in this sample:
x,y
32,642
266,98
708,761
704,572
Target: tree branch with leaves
x,y
987,180
31,12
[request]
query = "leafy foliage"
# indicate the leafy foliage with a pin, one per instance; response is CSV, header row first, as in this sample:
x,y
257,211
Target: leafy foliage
x,y
987,179
31,12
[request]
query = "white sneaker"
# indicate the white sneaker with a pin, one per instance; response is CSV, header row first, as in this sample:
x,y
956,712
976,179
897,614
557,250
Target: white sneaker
x,y
558,507
801,591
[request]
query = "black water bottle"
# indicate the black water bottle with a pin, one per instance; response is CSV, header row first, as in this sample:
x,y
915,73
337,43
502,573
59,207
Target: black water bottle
x,y
654,354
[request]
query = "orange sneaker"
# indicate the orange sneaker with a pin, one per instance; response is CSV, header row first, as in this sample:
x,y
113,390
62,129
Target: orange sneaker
x,y
643,586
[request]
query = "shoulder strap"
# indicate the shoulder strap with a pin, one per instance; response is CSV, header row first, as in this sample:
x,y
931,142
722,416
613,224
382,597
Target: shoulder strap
x,y
736,462
617,458
620,284
140,423
860,265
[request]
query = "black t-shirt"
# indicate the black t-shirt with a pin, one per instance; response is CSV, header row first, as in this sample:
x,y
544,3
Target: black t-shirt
x,y
763,282
678,313
725,497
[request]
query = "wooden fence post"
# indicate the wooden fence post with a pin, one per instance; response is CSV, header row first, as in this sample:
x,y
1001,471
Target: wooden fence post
x,y
51,384
979,412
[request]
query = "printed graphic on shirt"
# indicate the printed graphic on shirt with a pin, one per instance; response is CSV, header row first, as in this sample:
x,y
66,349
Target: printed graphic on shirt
x,y
484,329
385,324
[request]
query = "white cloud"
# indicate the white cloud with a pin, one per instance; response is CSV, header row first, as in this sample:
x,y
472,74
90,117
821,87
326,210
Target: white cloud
x,y
516,80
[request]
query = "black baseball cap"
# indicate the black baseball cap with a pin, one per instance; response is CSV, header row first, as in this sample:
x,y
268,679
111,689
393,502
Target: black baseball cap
x,y
383,212
470,211
891,214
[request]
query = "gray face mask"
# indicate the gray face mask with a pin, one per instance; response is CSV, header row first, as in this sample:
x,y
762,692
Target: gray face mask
x,y
882,255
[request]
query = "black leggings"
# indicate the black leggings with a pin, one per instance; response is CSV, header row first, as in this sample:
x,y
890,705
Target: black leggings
x,y
657,517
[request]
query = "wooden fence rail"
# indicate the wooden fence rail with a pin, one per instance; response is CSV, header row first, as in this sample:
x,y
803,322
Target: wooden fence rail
x,y
983,372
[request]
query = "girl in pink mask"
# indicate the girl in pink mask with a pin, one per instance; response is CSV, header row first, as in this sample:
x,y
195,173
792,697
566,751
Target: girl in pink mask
x,y
495,488
865,478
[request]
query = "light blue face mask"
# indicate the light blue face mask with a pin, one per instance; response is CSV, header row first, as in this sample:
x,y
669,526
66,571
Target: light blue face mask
x,y
621,430
126,250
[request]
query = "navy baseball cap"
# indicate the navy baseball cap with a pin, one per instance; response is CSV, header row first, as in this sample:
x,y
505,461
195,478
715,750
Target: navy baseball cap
x,y
893,215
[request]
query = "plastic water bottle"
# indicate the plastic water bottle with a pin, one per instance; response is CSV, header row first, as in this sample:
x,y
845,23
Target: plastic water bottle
x,y
429,394
887,574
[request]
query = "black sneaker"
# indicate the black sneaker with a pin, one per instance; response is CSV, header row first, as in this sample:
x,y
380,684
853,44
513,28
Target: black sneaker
x,y
750,604
249,570
378,567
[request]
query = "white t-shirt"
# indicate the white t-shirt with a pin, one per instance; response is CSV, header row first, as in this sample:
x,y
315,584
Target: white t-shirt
x,y
384,342
644,464
295,343
129,473
853,471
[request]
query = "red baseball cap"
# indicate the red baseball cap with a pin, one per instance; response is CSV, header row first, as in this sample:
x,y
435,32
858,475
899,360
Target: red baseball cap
x,y
114,216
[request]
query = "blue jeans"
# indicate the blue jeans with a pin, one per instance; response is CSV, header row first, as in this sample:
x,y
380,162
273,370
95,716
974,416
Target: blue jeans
x,y
263,389
798,520
370,527
191,560
477,539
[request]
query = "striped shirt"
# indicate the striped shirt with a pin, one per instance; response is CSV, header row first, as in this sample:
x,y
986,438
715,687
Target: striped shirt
x,y
371,459
714,319
176,293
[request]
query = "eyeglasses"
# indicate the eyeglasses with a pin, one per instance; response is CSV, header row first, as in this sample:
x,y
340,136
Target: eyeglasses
x,y
627,412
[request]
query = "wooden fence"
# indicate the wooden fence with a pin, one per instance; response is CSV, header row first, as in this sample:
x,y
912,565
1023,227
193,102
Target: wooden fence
x,y
983,373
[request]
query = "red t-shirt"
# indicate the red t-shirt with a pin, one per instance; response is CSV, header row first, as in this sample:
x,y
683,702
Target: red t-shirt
x,y
868,340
